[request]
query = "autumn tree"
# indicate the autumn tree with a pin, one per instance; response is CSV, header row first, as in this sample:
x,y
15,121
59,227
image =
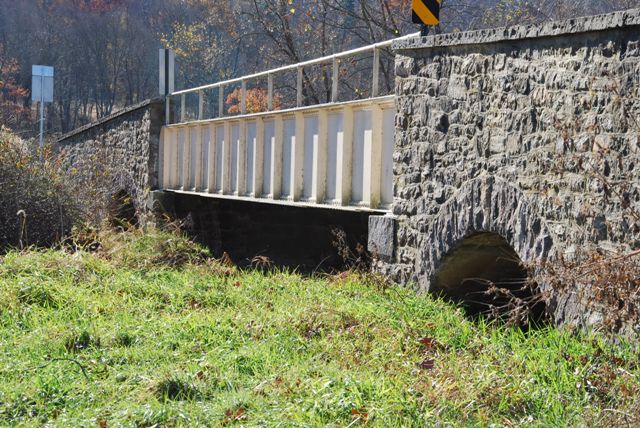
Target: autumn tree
x,y
257,101
13,96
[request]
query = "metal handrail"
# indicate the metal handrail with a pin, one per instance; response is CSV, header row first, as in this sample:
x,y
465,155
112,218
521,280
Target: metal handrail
x,y
334,58
290,111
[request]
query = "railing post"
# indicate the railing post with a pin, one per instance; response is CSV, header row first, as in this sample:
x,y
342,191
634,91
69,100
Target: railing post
x,y
299,88
163,153
334,80
176,178
200,105
243,98
174,157
199,166
183,104
376,72
221,101
269,92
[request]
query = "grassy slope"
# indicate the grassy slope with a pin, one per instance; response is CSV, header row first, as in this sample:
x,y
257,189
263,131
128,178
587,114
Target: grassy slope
x,y
205,345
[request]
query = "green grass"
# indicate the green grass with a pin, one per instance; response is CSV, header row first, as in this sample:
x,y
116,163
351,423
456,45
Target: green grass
x,y
121,338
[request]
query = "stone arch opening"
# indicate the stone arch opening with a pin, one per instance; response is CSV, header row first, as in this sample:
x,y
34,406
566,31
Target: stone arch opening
x,y
482,232
478,264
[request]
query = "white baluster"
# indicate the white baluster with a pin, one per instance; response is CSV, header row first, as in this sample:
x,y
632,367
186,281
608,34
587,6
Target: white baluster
x,y
297,157
241,166
320,158
186,158
276,158
344,158
210,174
226,159
373,165
258,159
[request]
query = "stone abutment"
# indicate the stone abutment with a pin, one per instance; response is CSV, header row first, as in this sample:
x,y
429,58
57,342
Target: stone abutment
x,y
529,133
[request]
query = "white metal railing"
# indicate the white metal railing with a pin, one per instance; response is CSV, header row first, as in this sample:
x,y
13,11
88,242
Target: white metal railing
x,y
269,74
337,154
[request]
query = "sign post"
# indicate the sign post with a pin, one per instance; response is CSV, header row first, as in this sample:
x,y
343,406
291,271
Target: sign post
x,y
425,12
166,78
167,60
42,92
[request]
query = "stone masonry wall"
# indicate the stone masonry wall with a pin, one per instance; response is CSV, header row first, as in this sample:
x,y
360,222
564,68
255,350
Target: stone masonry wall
x,y
531,132
119,152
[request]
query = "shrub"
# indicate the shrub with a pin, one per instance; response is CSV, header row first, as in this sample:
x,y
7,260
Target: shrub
x,y
38,207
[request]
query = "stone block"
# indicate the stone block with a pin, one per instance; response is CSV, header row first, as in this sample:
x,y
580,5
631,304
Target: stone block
x,y
381,236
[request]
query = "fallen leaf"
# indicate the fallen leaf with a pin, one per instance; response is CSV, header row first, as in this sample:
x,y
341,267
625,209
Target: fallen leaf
x,y
235,415
360,413
102,423
617,361
429,342
427,364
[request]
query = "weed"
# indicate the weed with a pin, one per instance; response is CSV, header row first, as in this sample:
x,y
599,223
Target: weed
x,y
261,262
356,258
124,340
357,261
176,388
81,341
37,295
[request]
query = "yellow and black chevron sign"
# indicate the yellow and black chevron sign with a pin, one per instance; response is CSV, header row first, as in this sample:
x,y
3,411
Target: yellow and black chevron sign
x,y
426,12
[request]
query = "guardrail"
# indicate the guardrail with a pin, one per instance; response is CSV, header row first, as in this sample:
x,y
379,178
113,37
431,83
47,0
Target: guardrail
x,y
334,60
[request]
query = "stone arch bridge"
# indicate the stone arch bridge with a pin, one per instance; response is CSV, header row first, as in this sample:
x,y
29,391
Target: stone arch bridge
x,y
494,145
